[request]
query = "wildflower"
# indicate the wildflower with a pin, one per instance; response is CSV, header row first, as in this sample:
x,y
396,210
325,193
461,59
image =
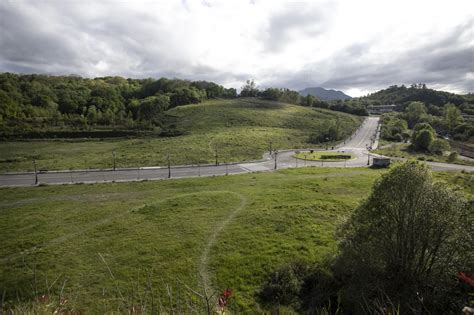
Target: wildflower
x,y
227,293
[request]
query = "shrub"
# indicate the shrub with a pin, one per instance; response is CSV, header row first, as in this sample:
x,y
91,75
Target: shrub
x,y
335,157
439,146
405,244
283,286
453,156
423,139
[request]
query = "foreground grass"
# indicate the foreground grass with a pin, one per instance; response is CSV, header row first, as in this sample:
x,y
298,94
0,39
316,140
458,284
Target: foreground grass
x,y
238,129
155,233
402,150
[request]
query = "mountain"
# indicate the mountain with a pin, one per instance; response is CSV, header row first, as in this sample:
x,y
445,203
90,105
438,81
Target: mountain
x,y
325,95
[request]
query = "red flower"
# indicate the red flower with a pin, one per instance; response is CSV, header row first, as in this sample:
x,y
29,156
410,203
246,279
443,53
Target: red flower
x,y
465,278
227,293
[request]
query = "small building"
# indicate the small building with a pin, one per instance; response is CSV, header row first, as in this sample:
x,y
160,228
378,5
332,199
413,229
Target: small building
x,y
381,109
381,162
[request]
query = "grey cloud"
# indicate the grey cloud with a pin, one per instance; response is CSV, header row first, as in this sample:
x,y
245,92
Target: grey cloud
x,y
445,62
37,37
296,18
28,45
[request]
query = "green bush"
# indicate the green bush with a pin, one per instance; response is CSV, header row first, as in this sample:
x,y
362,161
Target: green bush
x,y
439,146
422,139
405,244
335,157
283,286
453,156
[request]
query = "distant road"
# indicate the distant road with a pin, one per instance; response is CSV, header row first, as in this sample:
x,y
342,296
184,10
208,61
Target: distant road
x,y
357,145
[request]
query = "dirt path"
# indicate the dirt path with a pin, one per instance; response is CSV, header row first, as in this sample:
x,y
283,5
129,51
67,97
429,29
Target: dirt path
x,y
204,261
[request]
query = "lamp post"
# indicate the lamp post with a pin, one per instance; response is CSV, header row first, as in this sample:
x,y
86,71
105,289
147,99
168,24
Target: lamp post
x,y
275,154
36,172
217,161
368,155
113,155
169,166
270,148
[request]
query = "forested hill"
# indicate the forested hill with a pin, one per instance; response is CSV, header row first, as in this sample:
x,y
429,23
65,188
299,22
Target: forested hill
x,y
38,102
402,95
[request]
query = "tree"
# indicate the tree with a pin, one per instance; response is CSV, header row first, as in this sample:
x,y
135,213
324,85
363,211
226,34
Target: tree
x,y
249,89
452,116
406,243
423,140
308,100
416,112
182,96
152,106
423,135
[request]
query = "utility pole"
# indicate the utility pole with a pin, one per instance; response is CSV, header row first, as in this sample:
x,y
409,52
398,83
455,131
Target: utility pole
x,y
275,154
113,154
169,167
36,172
217,161
368,155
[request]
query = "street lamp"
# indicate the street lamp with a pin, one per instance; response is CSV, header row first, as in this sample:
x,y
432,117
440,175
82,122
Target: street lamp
x,y
169,166
36,172
275,154
368,155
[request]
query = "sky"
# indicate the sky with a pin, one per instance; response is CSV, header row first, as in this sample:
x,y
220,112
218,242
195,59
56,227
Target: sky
x,y
355,46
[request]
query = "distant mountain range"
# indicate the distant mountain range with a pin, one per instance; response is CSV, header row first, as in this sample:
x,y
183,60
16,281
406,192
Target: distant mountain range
x,y
325,95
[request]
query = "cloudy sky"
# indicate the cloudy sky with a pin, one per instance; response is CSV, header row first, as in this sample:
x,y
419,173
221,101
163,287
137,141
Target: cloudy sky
x,y
355,46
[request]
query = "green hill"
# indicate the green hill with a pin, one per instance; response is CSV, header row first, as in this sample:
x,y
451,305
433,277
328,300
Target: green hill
x,y
402,95
239,129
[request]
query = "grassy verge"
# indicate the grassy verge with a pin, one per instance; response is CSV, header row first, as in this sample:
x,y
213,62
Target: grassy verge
x,y
324,156
153,234
403,151
238,130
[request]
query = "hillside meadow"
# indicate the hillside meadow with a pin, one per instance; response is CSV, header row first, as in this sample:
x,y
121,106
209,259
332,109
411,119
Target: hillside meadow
x,y
108,247
238,129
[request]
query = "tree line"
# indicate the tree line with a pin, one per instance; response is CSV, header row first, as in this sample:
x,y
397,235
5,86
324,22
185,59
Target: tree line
x,y
32,102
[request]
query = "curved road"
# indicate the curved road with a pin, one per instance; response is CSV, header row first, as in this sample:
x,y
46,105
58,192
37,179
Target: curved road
x,y
357,145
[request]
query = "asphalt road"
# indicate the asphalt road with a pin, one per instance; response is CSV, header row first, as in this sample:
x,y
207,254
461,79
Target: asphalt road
x,y
357,145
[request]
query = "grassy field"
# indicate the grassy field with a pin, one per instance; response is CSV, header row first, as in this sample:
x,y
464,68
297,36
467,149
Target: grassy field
x,y
318,156
238,129
402,150
154,235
